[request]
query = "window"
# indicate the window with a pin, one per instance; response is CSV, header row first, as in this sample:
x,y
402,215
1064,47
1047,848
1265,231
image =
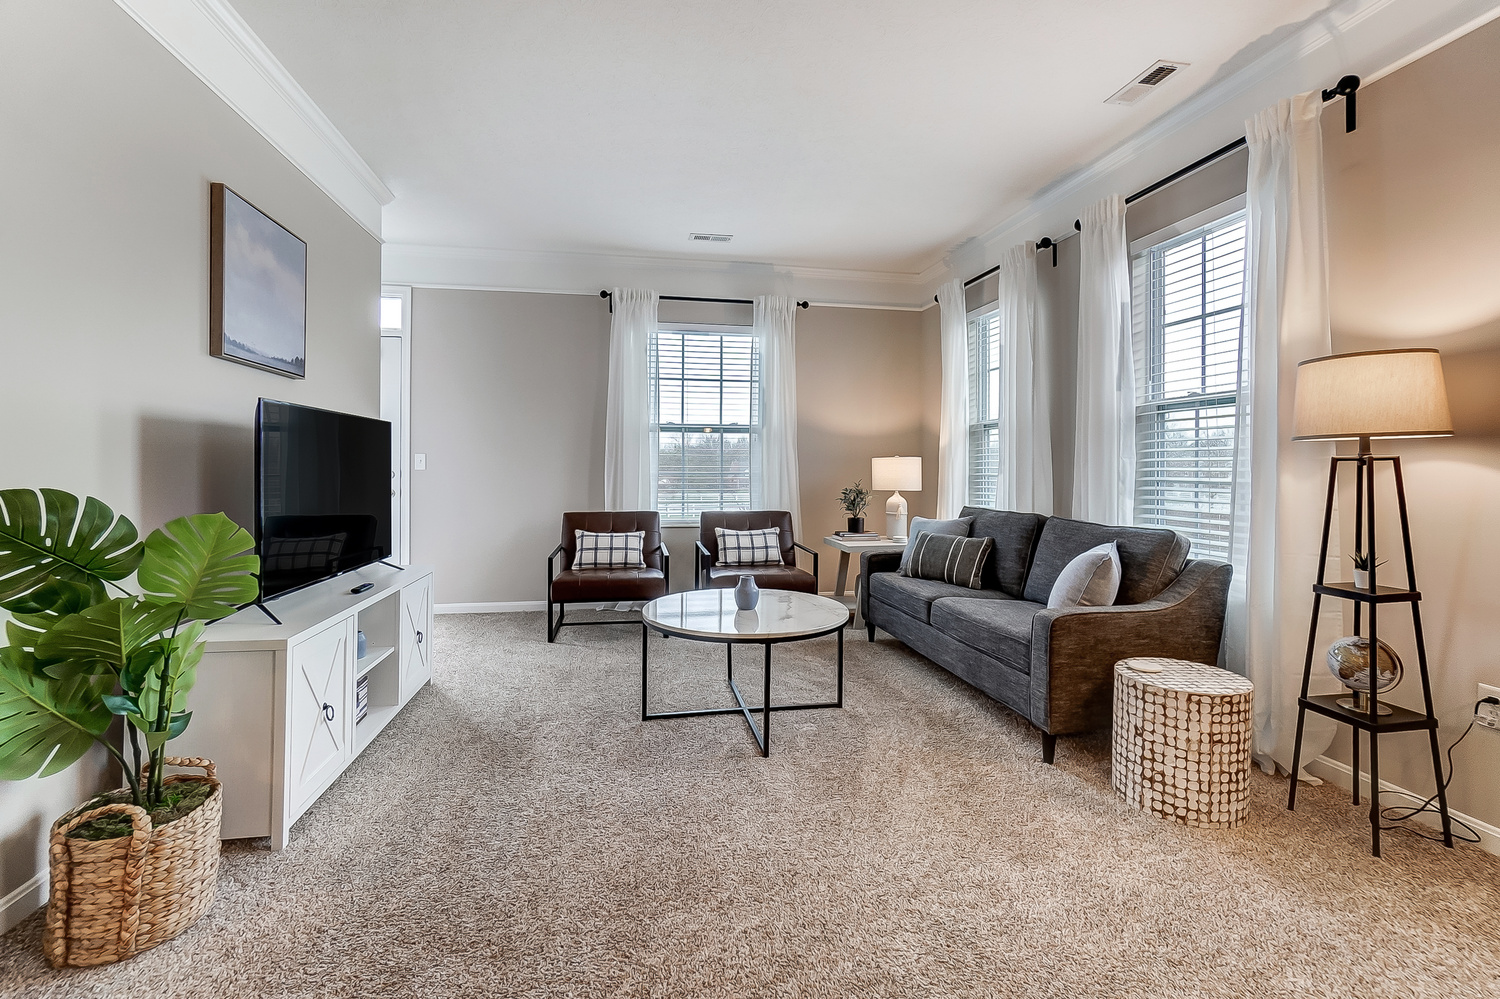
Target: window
x,y
705,404
1190,314
984,408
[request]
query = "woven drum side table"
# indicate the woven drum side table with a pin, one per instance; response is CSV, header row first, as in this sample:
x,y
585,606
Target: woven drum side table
x,y
1182,741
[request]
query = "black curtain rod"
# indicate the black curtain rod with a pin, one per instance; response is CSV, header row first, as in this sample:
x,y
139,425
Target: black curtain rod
x,y
1345,88
690,298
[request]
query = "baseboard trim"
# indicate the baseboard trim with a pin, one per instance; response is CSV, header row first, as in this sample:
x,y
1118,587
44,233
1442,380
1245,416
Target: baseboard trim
x,y
22,902
1341,774
499,607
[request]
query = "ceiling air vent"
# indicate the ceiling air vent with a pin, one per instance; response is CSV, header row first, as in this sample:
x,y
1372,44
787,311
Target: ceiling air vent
x,y
709,237
1159,73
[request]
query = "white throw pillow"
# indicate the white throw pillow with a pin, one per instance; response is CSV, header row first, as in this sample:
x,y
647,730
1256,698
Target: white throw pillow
x,y
1091,580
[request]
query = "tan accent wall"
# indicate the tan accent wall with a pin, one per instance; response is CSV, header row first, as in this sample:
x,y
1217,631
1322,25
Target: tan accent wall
x,y
508,403
1414,247
109,148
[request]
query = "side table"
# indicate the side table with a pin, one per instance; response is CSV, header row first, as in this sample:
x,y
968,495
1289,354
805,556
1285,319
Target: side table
x,y
847,548
1182,741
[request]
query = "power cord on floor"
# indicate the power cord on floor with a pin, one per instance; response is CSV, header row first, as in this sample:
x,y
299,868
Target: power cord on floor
x,y
1400,813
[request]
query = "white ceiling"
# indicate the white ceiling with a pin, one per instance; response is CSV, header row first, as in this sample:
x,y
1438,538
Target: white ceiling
x,y
861,134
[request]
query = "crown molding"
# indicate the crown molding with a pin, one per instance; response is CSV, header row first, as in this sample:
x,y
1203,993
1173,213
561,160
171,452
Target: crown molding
x,y
211,39
1371,38
570,273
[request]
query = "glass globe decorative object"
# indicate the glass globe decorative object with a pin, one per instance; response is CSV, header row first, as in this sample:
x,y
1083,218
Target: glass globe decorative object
x,y
1349,662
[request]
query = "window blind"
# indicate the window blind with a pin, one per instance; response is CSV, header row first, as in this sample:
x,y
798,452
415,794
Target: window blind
x,y
1191,293
984,408
705,401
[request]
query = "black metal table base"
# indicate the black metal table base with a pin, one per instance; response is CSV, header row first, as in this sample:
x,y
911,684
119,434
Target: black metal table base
x,y
762,734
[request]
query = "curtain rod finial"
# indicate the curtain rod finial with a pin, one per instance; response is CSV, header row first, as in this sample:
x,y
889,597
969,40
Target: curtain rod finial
x,y
604,294
801,305
1078,225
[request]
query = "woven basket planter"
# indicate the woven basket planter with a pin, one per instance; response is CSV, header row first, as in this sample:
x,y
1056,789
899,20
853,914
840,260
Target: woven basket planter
x,y
113,898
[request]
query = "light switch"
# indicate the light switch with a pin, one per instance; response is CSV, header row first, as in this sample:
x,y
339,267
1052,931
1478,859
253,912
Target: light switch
x,y
419,462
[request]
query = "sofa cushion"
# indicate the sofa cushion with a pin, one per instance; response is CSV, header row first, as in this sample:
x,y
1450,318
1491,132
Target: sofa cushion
x,y
999,628
915,596
767,577
759,547
608,584
1090,580
958,526
1150,558
1015,536
949,558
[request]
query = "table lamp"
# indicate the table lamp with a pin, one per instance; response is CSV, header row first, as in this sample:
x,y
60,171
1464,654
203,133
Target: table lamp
x,y
896,474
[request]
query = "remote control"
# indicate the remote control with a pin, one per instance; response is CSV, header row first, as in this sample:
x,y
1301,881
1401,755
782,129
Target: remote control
x,y
362,587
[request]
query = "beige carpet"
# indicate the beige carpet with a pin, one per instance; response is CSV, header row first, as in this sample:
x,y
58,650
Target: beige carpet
x,y
519,832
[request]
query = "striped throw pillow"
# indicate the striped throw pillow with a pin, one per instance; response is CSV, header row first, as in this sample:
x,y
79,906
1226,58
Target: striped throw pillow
x,y
761,547
949,559
609,551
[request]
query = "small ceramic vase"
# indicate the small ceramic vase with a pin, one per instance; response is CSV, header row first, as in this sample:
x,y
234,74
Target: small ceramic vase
x,y
746,594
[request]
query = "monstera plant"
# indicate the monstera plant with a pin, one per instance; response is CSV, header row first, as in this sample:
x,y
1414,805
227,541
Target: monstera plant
x,y
103,625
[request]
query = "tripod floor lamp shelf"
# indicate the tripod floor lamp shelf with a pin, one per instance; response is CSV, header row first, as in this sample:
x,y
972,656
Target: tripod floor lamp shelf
x,y
1368,396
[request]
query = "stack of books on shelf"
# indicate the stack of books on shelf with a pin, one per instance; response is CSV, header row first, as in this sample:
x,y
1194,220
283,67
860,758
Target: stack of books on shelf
x,y
857,535
361,699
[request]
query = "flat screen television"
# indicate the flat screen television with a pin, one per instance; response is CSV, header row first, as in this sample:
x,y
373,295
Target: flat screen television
x,y
322,494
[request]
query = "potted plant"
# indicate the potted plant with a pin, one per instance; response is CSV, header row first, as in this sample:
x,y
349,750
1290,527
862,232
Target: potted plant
x,y
1362,568
83,648
854,499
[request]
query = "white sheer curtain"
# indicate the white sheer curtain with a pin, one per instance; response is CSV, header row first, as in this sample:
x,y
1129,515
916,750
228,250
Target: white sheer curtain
x,y
953,417
775,327
629,452
1280,484
1104,449
1026,431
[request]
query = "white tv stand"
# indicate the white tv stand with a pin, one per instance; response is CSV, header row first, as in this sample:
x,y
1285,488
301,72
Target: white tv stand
x,y
274,705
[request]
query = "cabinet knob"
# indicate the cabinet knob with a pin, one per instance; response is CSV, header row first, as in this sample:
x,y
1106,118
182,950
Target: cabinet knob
x,y
419,638
328,711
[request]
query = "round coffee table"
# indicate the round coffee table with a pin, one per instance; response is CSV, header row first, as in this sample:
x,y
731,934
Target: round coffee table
x,y
711,616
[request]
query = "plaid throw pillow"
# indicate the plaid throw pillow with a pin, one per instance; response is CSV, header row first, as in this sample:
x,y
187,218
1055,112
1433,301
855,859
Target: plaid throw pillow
x,y
749,547
949,559
609,551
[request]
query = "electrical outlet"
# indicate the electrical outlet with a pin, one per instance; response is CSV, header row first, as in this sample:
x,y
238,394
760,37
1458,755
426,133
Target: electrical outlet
x,y
1488,715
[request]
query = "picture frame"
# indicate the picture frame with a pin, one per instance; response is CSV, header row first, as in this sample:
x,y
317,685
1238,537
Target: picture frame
x,y
257,287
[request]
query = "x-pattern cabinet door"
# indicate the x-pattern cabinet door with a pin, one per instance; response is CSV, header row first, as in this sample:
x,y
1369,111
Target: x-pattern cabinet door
x,y
416,639
318,715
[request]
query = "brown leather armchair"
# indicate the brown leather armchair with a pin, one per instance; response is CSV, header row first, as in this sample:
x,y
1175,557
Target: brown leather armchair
x,y
574,586
707,571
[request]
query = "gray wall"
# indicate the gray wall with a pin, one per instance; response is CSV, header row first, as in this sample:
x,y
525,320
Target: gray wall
x,y
508,405
109,148
508,401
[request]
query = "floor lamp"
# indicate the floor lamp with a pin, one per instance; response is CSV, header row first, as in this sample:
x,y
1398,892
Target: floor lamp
x,y
1363,396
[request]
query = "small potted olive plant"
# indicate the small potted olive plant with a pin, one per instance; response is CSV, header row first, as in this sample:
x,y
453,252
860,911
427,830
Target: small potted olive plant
x,y
854,499
106,630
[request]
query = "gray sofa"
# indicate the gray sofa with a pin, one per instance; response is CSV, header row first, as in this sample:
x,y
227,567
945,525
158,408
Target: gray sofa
x,y
1053,667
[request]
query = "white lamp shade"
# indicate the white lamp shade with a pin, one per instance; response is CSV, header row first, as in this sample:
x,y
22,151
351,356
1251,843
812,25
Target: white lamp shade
x,y
896,473
1375,393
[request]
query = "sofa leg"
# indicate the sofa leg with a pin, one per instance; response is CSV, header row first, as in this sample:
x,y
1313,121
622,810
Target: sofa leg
x,y
870,630
1049,747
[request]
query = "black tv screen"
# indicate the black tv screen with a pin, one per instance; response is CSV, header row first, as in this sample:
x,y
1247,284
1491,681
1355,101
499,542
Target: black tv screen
x,y
322,494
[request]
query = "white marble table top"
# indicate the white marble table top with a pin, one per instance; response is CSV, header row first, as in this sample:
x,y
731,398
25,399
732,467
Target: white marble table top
x,y
711,613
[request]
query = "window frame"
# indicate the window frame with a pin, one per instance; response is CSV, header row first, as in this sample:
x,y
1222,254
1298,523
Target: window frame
x,y
752,431
977,348
1155,410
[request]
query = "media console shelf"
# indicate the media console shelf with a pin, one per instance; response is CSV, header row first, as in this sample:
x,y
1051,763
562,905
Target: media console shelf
x,y
274,705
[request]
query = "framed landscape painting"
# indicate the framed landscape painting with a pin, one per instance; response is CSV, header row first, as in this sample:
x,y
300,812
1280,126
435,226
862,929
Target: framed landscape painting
x,y
257,295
